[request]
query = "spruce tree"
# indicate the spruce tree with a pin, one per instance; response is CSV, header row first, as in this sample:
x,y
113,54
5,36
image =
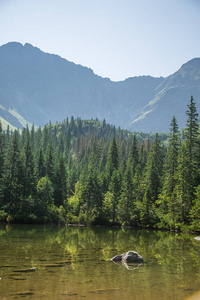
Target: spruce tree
x,y
28,166
114,189
45,138
60,193
112,161
192,141
192,129
154,170
126,203
184,189
50,161
171,165
133,155
40,169
188,173
13,176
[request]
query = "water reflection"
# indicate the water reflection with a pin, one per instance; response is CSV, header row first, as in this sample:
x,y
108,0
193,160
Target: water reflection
x,y
129,266
55,263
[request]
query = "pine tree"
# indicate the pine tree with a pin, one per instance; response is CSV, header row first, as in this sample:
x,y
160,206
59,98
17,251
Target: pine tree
x,y
133,155
28,166
171,165
192,129
112,161
184,190
192,142
45,138
142,158
68,139
40,169
188,172
91,199
60,193
126,203
33,137
114,189
38,139
154,171
13,176
50,161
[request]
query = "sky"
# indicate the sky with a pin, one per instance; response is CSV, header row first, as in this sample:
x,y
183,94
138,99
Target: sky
x,y
115,38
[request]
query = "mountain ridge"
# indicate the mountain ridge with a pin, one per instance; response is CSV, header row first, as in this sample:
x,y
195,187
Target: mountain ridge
x,y
42,87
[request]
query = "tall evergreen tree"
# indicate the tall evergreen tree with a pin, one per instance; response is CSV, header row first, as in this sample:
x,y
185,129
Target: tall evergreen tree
x,y
126,203
50,161
91,199
171,164
68,139
40,169
188,173
60,193
192,142
28,166
154,170
168,198
114,189
112,161
13,176
192,129
133,155
184,188
33,136
45,138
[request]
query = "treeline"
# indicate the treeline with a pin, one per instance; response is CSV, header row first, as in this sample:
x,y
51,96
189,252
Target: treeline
x,y
92,173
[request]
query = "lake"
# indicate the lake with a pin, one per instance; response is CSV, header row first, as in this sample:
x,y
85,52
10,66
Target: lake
x,y
51,262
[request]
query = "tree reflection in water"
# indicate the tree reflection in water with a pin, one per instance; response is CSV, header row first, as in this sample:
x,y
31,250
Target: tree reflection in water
x,y
76,261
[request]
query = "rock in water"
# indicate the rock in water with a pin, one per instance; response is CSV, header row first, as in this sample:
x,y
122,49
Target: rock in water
x,y
132,256
128,257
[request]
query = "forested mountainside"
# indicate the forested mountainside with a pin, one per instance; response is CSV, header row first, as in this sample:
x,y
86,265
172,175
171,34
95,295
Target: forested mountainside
x,y
36,87
89,172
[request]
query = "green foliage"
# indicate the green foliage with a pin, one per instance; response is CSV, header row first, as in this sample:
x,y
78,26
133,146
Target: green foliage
x,y
86,171
154,168
3,216
195,212
45,191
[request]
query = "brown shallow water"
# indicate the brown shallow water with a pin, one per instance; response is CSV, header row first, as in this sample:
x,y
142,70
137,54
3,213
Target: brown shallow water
x,y
44,262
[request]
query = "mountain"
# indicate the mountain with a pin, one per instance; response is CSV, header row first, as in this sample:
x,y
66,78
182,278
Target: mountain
x,y
172,97
37,87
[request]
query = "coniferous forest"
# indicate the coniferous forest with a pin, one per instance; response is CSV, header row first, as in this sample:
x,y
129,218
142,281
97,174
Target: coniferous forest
x,y
89,172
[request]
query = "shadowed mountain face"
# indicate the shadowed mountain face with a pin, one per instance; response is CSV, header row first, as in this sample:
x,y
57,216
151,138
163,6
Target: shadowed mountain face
x,y
171,98
36,87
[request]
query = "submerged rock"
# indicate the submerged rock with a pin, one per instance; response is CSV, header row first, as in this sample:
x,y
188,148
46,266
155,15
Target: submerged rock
x,y
128,257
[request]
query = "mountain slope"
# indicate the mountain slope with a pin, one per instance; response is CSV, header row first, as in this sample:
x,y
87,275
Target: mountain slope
x,y
36,87
172,97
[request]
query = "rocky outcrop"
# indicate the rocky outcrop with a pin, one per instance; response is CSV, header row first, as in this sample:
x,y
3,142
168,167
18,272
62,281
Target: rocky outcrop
x,y
128,257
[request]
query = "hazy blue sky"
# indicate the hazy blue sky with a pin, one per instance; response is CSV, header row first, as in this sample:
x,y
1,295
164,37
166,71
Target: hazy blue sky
x,y
115,38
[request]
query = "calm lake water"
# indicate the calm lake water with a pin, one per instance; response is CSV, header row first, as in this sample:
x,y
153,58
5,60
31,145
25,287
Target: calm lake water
x,y
44,262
